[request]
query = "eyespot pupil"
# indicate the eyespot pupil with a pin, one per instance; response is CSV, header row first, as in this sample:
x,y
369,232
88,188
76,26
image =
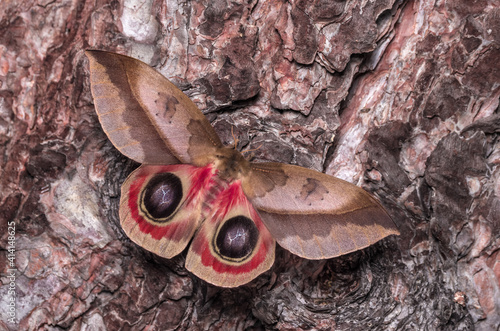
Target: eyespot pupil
x,y
237,238
162,195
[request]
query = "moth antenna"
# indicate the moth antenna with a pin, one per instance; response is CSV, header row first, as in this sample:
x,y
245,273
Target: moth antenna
x,y
251,156
235,139
251,150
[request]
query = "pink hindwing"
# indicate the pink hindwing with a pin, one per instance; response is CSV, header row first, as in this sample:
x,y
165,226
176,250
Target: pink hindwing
x,y
162,207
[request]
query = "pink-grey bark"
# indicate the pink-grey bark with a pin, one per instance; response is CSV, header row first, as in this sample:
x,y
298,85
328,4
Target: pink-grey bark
x,y
399,97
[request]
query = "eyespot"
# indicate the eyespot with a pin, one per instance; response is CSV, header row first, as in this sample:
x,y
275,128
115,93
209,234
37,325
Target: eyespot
x,y
162,195
237,238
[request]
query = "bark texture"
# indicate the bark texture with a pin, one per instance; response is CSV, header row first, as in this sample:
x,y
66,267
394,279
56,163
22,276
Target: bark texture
x,y
399,97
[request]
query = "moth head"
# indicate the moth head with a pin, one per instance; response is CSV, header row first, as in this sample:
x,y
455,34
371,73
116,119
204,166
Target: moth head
x,y
231,164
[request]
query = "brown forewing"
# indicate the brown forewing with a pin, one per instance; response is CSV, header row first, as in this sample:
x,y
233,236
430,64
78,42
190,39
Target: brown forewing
x,y
121,116
315,215
183,127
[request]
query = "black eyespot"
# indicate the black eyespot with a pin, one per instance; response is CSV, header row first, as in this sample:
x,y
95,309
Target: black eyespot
x,y
237,238
162,195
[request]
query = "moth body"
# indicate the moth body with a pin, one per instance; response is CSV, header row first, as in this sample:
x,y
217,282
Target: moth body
x,y
230,164
191,191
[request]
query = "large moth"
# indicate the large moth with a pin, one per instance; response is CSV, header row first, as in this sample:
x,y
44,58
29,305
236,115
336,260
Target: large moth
x,y
192,190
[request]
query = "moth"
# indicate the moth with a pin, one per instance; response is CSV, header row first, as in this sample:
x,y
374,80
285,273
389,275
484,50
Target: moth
x,y
192,190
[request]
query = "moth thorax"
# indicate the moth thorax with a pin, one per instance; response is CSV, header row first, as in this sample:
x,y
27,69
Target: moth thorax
x,y
161,196
231,164
236,238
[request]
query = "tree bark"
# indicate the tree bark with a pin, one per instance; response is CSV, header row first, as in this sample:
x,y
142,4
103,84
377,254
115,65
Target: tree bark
x,y
399,97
